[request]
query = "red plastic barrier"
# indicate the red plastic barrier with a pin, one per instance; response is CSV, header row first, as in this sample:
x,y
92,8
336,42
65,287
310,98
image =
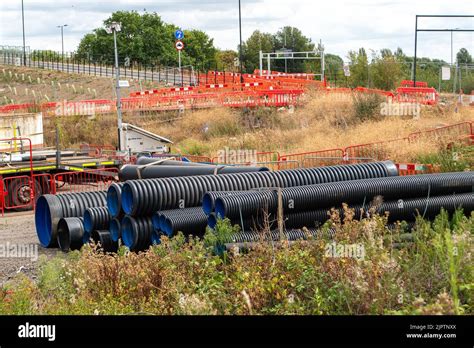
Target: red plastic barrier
x,y
3,194
90,180
409,83
405,169
377,151
373,91
19,192
452,132
315,158
422,95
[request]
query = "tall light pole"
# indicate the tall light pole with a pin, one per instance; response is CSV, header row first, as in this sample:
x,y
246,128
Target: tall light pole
x,y
62,38
23,24
286,61
240,48
113,28
452,45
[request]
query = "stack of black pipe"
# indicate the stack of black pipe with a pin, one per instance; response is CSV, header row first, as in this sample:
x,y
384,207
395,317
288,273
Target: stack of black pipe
x,y
164,206
139,229
51,209
403,197
139,211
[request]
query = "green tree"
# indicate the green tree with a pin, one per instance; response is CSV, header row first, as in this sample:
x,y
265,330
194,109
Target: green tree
x,y
292,38
145,39
463,56
257,42
334,68
225,60
386,71
287,38
359,67
199,49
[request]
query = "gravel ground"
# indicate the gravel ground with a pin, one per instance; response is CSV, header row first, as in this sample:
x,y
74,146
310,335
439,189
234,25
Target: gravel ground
x,y
17,232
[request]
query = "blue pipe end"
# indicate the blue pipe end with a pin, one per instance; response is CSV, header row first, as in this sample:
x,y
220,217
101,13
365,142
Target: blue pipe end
x,y
113,201
212,221
43,222
219,209
156,221
128,235
114,228
207,204
88,225
127,199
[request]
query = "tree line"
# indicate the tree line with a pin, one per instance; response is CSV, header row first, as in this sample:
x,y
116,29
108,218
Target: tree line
x,y
146,39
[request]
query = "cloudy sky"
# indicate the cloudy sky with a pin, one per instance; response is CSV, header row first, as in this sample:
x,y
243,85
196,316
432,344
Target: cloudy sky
x,y
342,25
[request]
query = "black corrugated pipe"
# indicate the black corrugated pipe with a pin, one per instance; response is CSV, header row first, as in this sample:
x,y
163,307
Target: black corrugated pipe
x,y
144,197
104,240
274,235
96,219
137,232
314,197
70,233
209,199
239,239
133,172
406,209
189,221
114,200
51,208
166,162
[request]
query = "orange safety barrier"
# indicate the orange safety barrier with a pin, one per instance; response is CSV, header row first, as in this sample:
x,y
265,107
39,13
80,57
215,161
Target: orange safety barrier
x,y
409,83
454,132
377,151
405,169
315,158
20,192
373,91
3,194
94,150
165,91
90,180
422,95
246,157
235,99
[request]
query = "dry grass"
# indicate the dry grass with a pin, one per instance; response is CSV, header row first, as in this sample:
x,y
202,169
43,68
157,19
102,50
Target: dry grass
x,y
324,122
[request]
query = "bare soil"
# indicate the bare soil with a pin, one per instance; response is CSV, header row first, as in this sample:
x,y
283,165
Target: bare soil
x,y
18,229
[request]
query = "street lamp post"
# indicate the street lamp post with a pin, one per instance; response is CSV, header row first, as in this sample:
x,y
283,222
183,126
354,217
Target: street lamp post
x,y
62,38
23,24
451,48
115,27
240,48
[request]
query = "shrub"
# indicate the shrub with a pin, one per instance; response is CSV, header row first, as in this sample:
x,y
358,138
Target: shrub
x,y
428,272
366,106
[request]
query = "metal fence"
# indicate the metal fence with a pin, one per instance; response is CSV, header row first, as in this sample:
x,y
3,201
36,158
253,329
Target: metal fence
x,y
186,76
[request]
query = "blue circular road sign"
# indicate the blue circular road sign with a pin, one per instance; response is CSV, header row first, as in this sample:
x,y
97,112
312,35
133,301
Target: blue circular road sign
x,y
179,34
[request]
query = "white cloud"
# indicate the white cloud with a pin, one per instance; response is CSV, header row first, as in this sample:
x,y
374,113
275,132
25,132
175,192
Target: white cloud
x,y
342,25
